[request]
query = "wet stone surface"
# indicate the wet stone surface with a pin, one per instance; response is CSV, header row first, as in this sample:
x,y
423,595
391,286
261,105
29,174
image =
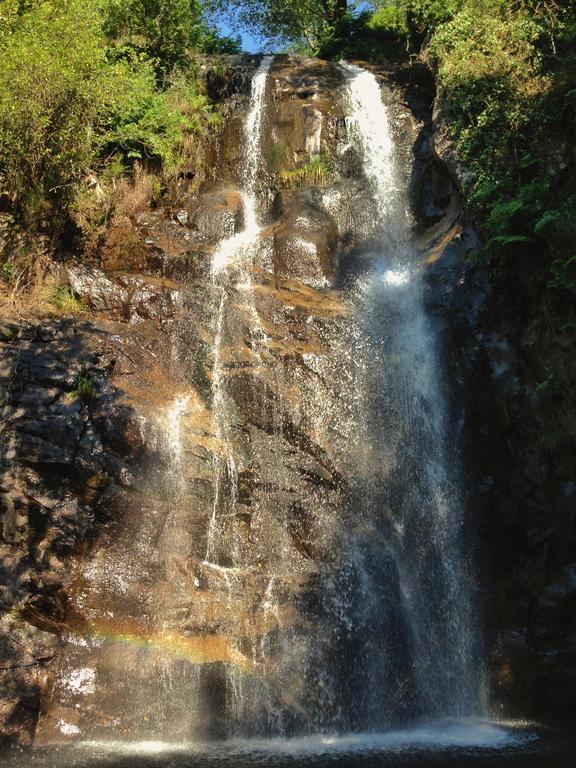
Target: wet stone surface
x,y
153,545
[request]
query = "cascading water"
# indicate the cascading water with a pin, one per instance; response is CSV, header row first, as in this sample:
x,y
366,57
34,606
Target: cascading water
x,y
307,574
412,570
388,634
232,271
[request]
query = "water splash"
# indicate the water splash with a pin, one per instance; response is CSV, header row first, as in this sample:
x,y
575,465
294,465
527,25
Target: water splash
x,y
415,476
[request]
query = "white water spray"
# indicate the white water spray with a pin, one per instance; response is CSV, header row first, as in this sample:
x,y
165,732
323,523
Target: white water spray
x,y
369,126
415,484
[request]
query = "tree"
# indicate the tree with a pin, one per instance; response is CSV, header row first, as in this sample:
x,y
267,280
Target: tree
x,y
162,29
308,21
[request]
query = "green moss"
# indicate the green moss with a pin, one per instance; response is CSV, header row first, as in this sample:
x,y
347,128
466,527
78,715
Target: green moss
x,y
276,157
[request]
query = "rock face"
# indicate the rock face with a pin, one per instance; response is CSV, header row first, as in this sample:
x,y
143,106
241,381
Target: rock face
x,y
518,372
178,508
67,460
183,507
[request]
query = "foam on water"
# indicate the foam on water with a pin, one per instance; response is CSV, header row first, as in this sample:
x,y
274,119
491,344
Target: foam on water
x,y
480,734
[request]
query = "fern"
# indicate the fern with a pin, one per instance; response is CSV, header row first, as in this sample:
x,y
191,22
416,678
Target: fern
x,y
546,220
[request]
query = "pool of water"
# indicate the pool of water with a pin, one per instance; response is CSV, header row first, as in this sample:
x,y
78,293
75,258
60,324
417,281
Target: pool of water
x,y
433,745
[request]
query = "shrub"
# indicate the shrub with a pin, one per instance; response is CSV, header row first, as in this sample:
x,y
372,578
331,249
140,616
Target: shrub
x,y
499,84
71,105
50,97
65,301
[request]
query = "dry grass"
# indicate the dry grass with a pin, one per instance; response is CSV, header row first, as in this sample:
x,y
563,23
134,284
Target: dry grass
x,y
315,172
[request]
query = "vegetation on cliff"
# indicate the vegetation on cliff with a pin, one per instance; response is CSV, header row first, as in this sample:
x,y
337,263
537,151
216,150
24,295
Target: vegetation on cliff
x,y
89,91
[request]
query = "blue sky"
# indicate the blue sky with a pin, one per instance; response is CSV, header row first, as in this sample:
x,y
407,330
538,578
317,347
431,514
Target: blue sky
x,y
249,43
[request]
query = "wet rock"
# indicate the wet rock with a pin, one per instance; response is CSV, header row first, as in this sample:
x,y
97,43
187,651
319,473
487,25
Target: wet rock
x,y
93,286
304,242
129,297
307,114
229,76
215,216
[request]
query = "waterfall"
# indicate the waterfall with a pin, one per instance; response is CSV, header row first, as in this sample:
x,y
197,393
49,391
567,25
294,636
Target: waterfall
x,y
231,271
294,563
241,245
413,499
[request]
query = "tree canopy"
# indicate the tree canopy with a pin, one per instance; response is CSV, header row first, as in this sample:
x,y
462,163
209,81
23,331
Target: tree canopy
x,y
307,21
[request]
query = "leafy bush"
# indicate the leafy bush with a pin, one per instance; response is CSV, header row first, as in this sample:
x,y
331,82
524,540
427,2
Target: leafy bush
x,y
163,31
378,37
52,91
502,72
80,102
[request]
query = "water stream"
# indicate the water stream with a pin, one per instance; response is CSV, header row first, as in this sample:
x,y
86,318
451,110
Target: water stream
x,y
415,490
231,271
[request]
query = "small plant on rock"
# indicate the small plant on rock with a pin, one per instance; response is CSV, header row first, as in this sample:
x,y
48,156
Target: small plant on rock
x,y
7,272
276,156
66,302
85,389
315,172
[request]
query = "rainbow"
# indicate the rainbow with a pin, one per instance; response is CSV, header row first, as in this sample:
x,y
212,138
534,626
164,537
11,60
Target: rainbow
x,y
207,649
197,649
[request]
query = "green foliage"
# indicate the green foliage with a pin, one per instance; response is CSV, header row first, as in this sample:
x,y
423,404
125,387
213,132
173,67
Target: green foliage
x,y
142,124
423,16
79,92
84,390
315,172
563,273
160,29
51,92
379,36
505,73
65,301
307,22
7,272
276,157
210,41
164,31
544,385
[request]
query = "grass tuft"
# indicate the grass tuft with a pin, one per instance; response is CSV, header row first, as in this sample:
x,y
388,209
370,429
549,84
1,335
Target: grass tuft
x,y
65,301
85,390
314,172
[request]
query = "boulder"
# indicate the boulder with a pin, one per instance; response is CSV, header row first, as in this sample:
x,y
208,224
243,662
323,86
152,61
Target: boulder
x,y
215,216
305,242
